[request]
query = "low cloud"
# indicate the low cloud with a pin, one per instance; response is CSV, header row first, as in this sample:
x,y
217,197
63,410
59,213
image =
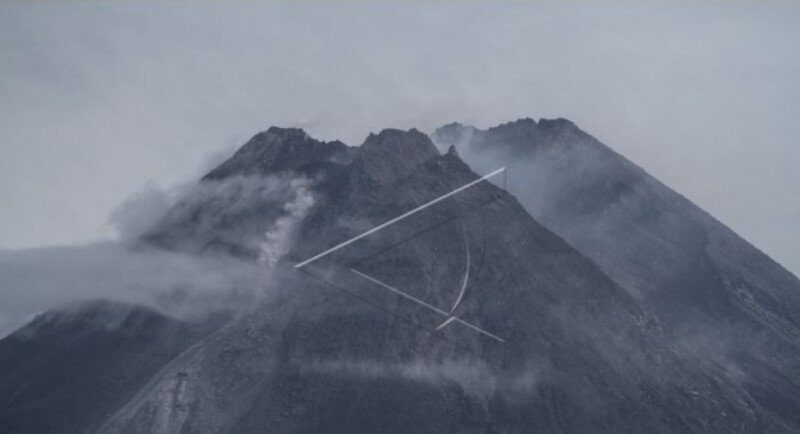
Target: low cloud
x,y
473,376
183,285
140,211
186,281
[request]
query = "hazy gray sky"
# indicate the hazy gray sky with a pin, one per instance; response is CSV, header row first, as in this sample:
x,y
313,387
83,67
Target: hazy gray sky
x,y
98,99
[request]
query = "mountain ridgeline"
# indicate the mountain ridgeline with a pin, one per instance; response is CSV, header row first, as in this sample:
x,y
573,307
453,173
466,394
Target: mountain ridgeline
x,y
586,297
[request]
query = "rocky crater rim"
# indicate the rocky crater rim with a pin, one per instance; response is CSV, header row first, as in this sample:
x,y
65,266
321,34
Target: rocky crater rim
x,y
525,133
398,140
388,154
278,136
527,122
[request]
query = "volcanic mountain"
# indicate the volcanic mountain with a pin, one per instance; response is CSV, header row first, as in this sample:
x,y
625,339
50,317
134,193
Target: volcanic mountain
x,y
471,313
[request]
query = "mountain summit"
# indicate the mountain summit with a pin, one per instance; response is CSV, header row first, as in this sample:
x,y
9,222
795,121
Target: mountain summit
x,y
279,149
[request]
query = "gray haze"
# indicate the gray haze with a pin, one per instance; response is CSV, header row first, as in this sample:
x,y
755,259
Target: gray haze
x,y
97,100
180,284
35,280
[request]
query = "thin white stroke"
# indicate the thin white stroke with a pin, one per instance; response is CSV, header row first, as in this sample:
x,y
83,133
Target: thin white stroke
x,y
399,292
479,330
433,308
463,284
397,219
466,276
447,321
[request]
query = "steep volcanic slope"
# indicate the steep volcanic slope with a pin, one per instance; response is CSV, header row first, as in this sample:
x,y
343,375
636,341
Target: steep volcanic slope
x,y
326,350
68,369
715,293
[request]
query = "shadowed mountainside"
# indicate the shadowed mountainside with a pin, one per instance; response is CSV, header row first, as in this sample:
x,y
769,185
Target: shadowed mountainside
x,y
70,369
714,292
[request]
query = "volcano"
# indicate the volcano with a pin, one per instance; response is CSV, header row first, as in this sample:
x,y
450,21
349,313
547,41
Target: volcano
x,y
409,294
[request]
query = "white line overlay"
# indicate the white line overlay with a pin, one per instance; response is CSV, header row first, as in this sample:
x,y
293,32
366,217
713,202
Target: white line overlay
x,y
449,315
447,321
433,308
398,218
466,275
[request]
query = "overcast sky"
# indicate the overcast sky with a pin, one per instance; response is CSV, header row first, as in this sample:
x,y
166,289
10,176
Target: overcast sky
x,y
98,99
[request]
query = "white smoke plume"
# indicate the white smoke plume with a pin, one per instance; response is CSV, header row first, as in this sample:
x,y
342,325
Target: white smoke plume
x,y
277,240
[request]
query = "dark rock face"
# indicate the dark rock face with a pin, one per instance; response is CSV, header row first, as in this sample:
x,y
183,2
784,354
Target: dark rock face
x,y
325,350
394,154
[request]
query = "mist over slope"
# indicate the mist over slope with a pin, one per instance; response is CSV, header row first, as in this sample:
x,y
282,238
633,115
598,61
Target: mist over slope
x,y
579,348
714,292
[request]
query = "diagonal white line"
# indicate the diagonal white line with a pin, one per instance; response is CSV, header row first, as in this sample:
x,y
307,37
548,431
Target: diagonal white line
x,y
479,330
433,308
399,292
398,218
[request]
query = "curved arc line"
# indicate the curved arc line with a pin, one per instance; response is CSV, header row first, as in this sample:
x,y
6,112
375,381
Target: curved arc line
x,y
463,283
466,272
